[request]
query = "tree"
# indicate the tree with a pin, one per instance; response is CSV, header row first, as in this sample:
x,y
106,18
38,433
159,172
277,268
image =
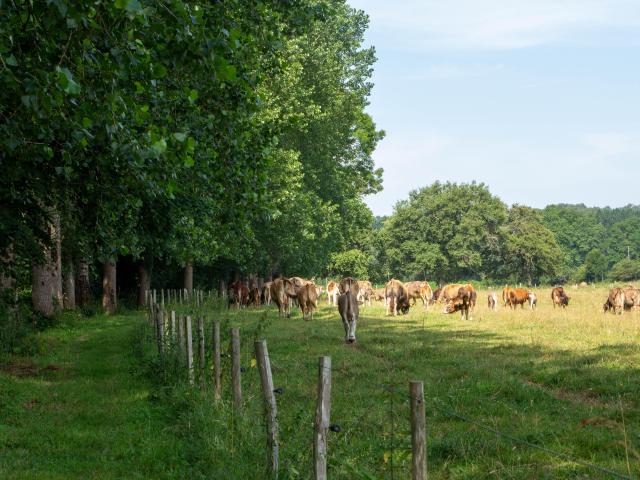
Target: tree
x,y
596,266
351,263
626,270
530,251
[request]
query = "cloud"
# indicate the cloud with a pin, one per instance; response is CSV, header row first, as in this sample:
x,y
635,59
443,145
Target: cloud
x,y
499,24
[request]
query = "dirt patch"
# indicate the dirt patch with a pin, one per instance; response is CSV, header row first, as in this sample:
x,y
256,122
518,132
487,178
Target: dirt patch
x,y
584,397
26,369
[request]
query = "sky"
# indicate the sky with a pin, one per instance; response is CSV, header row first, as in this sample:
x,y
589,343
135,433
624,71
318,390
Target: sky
x,y
538,99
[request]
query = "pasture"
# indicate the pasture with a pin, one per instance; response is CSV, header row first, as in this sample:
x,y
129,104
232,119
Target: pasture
x,y
564,380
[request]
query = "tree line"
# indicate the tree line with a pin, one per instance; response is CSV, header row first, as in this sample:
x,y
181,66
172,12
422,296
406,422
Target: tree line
x,y
143,141
447,231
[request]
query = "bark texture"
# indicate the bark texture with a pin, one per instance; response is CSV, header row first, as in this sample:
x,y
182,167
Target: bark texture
x,y
83,285
69,286
188,278
109,298
144,278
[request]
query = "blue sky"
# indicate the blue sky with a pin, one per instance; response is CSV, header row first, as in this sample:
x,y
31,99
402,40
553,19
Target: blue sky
x,y
539,99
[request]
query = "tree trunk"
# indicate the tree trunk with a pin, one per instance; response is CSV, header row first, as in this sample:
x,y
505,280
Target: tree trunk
x,y
57,260
188,278
109,298
144,278
83,286
7,276
46,281
222,288
69,286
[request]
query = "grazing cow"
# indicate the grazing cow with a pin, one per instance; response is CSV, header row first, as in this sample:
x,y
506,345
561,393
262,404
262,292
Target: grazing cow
x,y
505,295
396,297
254,297
378,294
533,301
492,301
463,301
518,296
332,292
631,297
559,297
282,291
308,300
419,290
365,291
436,295
266,293
451,291
615,301
349,311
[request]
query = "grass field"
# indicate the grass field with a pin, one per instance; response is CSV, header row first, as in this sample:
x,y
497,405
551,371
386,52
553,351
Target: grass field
x,y
565,380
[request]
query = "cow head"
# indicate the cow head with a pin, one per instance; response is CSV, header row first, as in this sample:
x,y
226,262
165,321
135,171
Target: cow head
x,y
454,305
289,287
403,305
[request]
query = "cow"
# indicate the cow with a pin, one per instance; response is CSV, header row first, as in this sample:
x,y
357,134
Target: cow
x,y
505,295
266,293
518,296
378,294
396,297
254,297
365,291
349,310
615,301
463,301
282,291
451,291
349,284
239,294
492,301
332,292
319,290
631,297
308,300
419,290
533,301
436,295
559,297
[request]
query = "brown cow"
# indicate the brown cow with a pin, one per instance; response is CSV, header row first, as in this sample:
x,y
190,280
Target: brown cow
x,y
396,297
615,301
421,290
348,284
332,292
239,296
463,301
631,297
451,291
308,299
505,295
559,297
349,311
365,291
254,297
518,296
282,291
378,294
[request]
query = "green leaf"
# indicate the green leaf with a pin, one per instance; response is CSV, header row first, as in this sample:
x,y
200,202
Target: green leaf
x,y
179,136
11,60
193,95
159,147
66,81
188,161
131,6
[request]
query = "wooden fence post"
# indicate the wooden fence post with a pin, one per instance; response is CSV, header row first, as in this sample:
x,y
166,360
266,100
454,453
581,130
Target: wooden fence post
x,y
217,374
201,356
159,321
180,297
189,337
418,432
235,368
271,412
323,415
162,297
173,326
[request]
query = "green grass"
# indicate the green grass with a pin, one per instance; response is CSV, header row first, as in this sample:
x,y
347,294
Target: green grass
x,y
560,379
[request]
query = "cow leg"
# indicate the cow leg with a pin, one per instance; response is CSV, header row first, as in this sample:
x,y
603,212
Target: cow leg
x,y
352,329
345,324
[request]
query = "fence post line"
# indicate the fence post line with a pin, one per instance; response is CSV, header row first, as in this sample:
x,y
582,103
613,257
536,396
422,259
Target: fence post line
x,y
201,355
217,374
418,432
173,325
189,350
235,368
271,411
323,414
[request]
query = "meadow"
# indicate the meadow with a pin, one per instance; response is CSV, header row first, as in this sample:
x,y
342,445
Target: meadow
x,y
504,391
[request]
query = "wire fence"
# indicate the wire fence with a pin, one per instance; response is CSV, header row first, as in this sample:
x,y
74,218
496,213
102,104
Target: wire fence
x,y
395,448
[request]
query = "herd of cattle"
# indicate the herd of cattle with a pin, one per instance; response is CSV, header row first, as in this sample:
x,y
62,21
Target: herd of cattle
x,y
398,297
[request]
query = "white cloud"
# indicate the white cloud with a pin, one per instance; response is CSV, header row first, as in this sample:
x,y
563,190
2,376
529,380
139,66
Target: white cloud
x,y
498,24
